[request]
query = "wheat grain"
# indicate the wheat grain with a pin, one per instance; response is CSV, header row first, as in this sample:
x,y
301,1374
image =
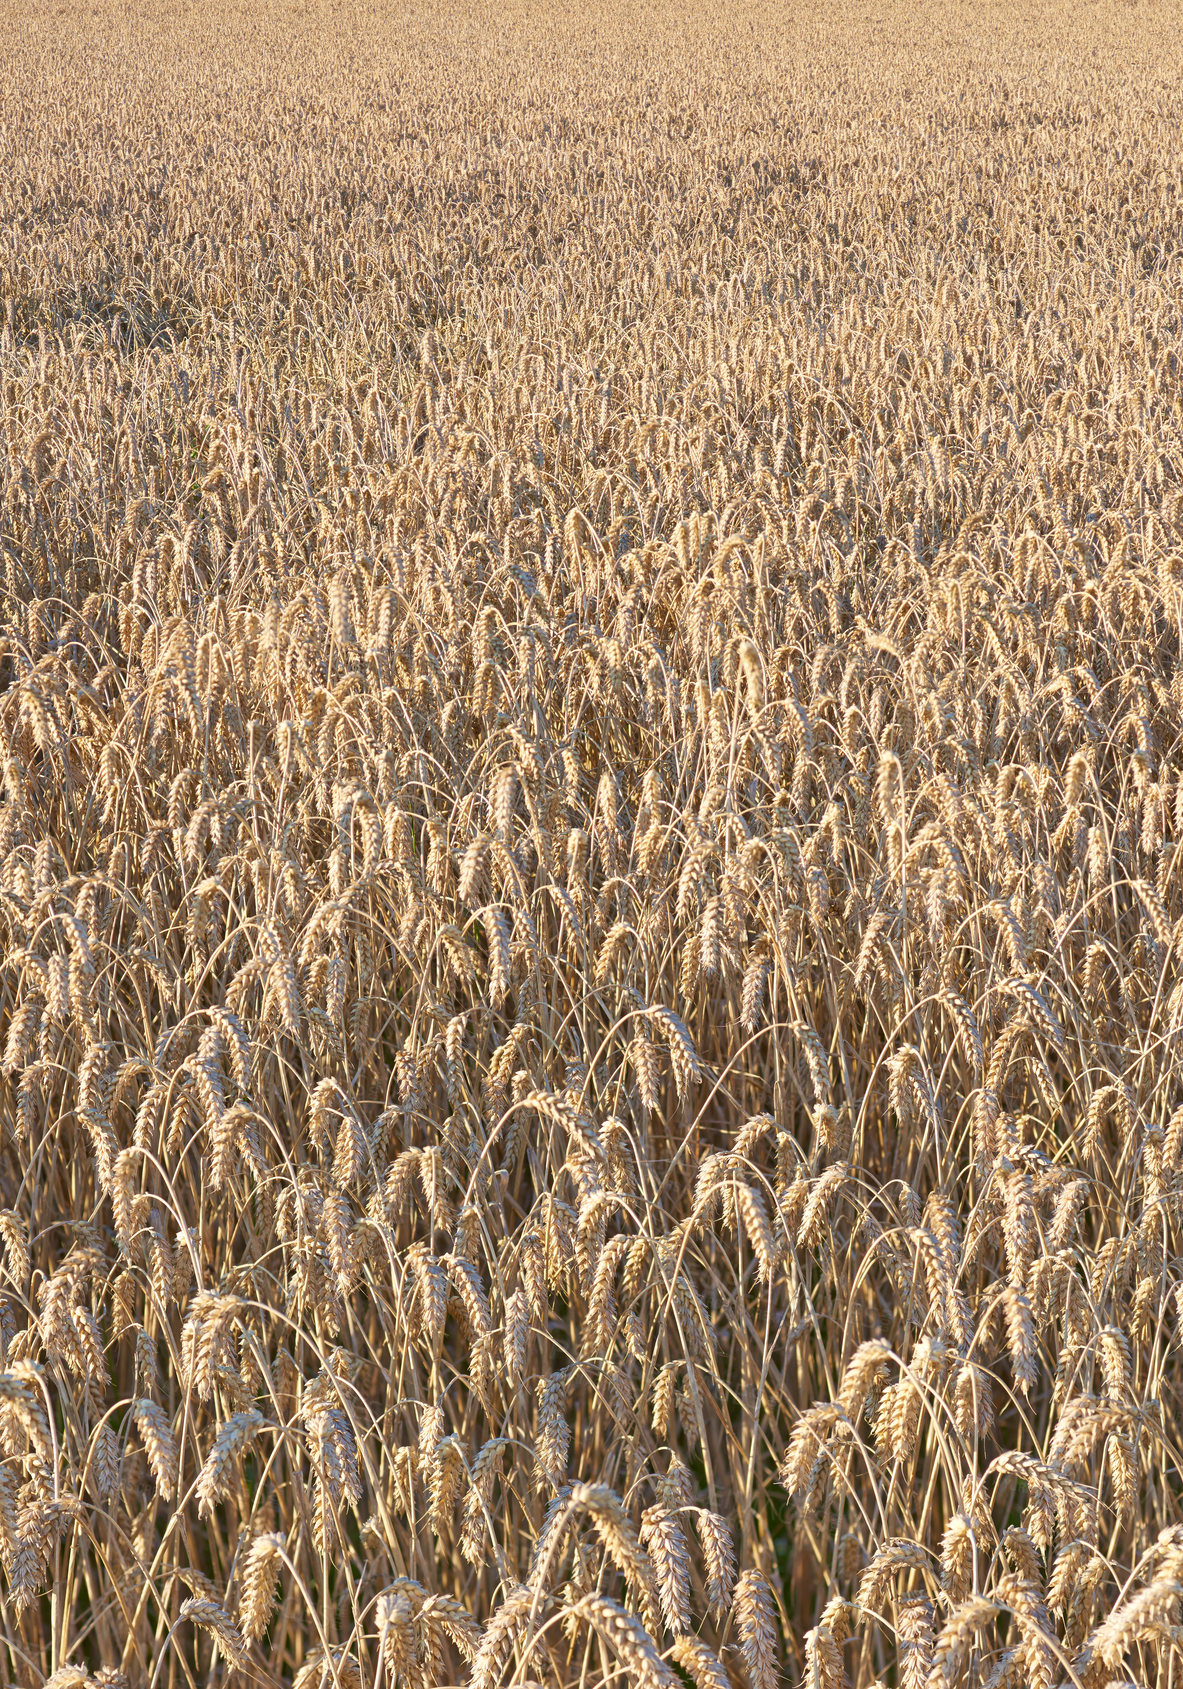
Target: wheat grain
x,y
589,878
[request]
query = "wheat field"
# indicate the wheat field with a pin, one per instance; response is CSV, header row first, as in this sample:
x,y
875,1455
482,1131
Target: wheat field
x,y
591,915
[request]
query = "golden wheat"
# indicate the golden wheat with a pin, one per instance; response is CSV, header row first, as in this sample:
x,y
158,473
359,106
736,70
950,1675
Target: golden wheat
x,y
592,753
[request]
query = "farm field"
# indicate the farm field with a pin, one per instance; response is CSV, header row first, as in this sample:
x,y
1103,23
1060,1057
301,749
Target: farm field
x,y
591,728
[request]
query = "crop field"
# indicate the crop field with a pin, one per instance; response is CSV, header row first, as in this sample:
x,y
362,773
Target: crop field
x,y
591,906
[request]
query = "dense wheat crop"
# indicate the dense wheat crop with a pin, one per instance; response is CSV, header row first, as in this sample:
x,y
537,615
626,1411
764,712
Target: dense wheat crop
x,y
591,918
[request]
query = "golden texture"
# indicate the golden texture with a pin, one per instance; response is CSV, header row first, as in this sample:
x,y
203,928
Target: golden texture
x,y
590,719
